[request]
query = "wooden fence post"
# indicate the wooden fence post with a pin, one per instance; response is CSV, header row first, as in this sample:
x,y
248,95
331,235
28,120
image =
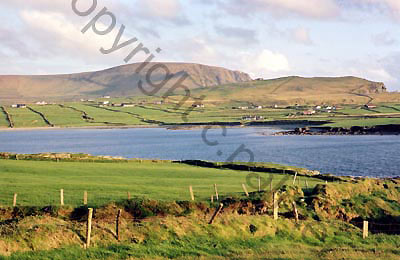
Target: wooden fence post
x,y
294,179
296,213
85,197
212,198
365,229
191,192
275,203
307,184
117,224
15,200
62,197
245,190
89,227
216,213
259,183
216,191
129,195
270,186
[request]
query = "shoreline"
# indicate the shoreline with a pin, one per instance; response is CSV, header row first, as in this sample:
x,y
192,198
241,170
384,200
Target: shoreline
x,y
281,129
283,125
76,128
168,127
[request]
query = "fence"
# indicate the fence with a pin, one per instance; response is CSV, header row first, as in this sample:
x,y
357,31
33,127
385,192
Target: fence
x,y
365,226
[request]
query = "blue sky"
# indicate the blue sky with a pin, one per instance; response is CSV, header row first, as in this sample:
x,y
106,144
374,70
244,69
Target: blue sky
x,y
265,38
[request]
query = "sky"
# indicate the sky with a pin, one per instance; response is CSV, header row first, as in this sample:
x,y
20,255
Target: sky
x,y
265,38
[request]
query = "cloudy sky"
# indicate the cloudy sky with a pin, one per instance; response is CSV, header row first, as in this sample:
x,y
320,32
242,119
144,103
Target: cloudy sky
x,y
265,38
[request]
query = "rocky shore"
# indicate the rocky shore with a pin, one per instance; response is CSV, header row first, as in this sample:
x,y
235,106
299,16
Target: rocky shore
x,y
355,130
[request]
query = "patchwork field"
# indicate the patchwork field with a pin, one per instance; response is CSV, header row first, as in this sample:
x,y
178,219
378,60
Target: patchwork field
x,y
151,114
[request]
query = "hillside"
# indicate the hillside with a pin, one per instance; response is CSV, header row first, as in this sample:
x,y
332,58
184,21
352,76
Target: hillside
x,y
117,81
292,90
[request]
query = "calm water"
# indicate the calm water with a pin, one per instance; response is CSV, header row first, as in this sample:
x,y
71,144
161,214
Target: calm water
x,y
342,155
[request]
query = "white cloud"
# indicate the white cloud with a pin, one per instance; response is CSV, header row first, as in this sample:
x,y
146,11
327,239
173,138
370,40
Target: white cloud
x,y
391,7
380,74
383,39
56,36
264,63
271,61
310,8
161,8
301,35
38,4
307,8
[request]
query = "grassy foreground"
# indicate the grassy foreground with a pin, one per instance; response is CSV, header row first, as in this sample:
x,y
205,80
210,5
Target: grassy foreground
x,y
191,238
160,222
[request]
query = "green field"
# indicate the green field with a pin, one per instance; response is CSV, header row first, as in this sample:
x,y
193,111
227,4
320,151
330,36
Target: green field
x,y
3,119
23,117
168,226
59,116
347,123
104,116
38,183
147,113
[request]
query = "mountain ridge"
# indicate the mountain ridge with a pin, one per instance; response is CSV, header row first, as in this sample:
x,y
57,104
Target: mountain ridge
x,y
216,83
115,81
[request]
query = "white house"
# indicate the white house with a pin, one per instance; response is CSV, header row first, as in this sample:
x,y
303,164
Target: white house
x,y
18,106
128,105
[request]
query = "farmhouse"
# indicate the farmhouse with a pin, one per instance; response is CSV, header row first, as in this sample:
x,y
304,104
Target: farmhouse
x,y
18,106
127,105
309,112
198,105
252,118
370,106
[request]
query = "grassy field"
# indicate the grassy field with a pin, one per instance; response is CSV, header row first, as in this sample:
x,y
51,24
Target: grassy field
x,y
72,114
23,117
180,229
347,123
60,116
38,183
3,119
104,116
